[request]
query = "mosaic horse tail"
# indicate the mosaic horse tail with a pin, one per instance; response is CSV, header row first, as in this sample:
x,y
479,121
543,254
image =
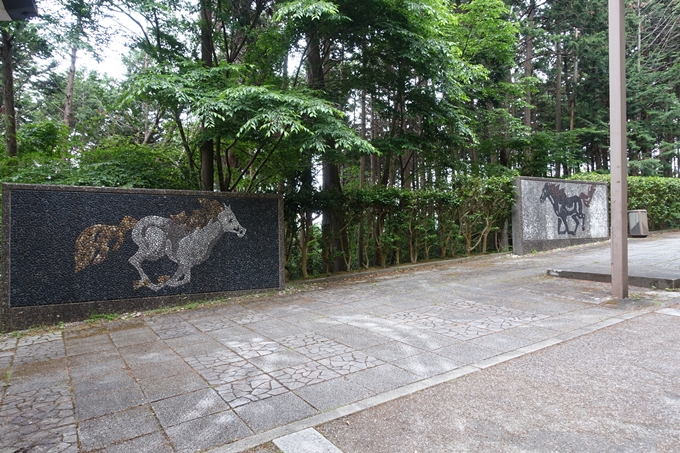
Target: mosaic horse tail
x,y
185,240
566,207
94,243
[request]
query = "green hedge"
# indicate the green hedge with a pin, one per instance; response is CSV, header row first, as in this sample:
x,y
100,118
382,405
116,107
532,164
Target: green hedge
x,y
400,225
659,196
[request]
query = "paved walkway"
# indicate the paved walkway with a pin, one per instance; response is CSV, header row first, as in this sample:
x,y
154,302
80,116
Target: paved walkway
x,y
229,377
653,262
615,390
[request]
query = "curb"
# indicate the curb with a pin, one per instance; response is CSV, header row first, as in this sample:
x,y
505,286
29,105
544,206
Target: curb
x,y
633,280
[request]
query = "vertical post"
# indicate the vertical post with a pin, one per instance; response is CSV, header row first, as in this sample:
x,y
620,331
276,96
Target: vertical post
x,y
618,147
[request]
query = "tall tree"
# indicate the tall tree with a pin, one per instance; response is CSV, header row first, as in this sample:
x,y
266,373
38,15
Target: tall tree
x,y
81,24
207,51
20,45
9,109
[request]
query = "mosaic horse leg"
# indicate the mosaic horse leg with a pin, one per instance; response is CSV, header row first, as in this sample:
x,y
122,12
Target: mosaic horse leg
x,y
192,250
181,276
150,236
573,207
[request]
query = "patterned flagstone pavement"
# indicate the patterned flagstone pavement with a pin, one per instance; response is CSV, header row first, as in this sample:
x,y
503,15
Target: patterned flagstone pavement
x,y
200,379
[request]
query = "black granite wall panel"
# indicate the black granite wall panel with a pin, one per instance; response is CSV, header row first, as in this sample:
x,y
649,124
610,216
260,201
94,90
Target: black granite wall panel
x,y
66,245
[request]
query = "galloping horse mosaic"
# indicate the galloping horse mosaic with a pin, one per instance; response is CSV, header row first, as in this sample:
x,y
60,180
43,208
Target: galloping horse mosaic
x,y
185,240
566,207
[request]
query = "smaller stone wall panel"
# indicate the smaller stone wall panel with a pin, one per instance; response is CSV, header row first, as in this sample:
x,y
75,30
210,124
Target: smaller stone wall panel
x,y
64,246
551,213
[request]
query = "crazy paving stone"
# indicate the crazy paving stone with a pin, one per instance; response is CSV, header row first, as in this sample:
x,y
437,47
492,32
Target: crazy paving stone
x,y
55,440
5,360
406,316
431,322
177,331
210,324
463,332
251,317
323,350
350,362
39,420
249,350
37,339
252,389
8,344
213,360
302,375
303,339
39,352
230,372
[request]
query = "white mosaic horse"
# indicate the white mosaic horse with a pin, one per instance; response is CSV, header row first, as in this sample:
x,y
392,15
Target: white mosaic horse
x,y
157,237
185,240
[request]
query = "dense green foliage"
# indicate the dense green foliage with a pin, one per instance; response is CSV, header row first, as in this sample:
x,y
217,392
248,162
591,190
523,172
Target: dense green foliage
x,y
116,162
365,115
660,197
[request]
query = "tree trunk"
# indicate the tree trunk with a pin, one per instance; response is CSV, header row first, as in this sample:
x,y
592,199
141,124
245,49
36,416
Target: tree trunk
x,y
207,165
558,98
334,237
207,147
375,162
315,75
362,179
405,167
558,89
639,38
306,180
393,172
8,93
221,180
68,105
572,100
528,64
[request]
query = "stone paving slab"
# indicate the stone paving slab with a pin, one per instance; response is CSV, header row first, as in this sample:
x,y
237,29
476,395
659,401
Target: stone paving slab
x,y
197,404
150,443
228,374
272,412
160,388
670,311
109,429
306,441
207,432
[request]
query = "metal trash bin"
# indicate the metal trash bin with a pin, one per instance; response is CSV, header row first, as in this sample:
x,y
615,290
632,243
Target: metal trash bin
x,y
637,223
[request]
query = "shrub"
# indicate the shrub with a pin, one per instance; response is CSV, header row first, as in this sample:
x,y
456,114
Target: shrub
x,y
659,196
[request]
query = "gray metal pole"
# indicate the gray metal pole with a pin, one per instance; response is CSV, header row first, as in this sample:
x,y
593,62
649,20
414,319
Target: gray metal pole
x,y
618,147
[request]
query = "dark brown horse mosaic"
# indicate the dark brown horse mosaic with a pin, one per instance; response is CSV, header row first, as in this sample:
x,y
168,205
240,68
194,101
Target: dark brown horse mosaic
x,y
567,207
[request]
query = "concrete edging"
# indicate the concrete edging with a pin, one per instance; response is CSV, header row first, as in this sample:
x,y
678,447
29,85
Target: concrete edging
x,y
633,280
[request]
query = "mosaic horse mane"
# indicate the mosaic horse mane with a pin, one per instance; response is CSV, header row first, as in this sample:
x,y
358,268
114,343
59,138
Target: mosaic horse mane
x,y
185,240
565,206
